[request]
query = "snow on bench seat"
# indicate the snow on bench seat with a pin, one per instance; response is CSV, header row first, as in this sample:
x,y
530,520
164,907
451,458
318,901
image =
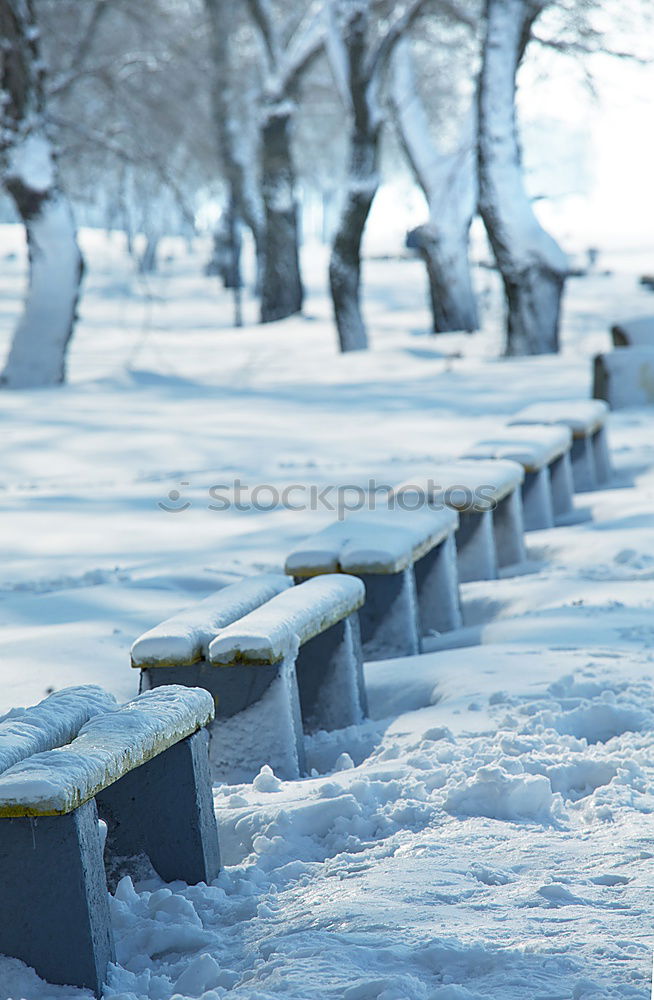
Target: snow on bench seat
x,y
532,446
582,416
458,483
185,638
54,721
380,541
407,560
144,769
287,621
486,494
586,419
107,747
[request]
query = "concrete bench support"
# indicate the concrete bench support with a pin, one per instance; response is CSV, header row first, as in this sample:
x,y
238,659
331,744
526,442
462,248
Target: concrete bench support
x,y
437,587
509,528
586,420
54,897
258,717
475,542
403,554
330,677
537,506
164,810
562,485
390,625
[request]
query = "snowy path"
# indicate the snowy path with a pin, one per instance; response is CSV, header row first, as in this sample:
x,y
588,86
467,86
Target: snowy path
x,y
488,833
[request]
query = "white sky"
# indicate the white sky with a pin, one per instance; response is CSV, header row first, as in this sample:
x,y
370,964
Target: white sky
x,y
617,203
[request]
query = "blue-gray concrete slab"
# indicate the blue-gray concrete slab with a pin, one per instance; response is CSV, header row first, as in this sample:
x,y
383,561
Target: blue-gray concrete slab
x,y
53,894
164,809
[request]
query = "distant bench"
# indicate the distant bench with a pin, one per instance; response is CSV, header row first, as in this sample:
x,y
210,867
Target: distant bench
x,y
143,768
625,377
275,659
407,561
486,496
638,332
544,453
586,419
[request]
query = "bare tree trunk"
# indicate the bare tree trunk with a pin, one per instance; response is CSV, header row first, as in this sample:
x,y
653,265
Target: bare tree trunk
x,y
29,173
148,259
281,286
238,160
361,186
345,259
532,265
449,183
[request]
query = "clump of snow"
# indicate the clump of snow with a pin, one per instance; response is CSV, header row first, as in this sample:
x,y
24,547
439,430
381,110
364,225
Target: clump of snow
x,y
494,793
266,781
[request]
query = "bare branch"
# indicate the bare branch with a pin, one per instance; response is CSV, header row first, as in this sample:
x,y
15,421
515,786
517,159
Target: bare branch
x,y
262,16
576,47
402,24
305,46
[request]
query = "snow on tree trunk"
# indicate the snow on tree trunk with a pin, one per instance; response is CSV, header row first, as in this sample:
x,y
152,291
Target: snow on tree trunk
x,y
532,265
449,182
281,286
37,356
345,259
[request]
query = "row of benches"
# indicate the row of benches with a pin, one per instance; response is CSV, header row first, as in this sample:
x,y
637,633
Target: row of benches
x,y
269,660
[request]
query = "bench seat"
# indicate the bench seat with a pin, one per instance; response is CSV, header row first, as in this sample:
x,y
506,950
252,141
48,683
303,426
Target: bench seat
x,y
184,639
54,721
586,419
486,495
407,561
275,629
106,748
143,768
275,659
544,453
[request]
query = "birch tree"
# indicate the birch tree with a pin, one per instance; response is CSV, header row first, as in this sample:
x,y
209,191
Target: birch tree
x,y
449,183
285,64
359,61
532,265
28,167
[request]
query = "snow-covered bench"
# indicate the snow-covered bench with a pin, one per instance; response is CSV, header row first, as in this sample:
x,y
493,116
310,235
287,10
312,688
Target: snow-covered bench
x,y
275,658
53,722
487,497
586,419
544,453
625,377
143,768
637,332
407,560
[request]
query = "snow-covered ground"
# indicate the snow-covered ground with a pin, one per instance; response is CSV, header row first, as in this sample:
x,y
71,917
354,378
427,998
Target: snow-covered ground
x,y
489,832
